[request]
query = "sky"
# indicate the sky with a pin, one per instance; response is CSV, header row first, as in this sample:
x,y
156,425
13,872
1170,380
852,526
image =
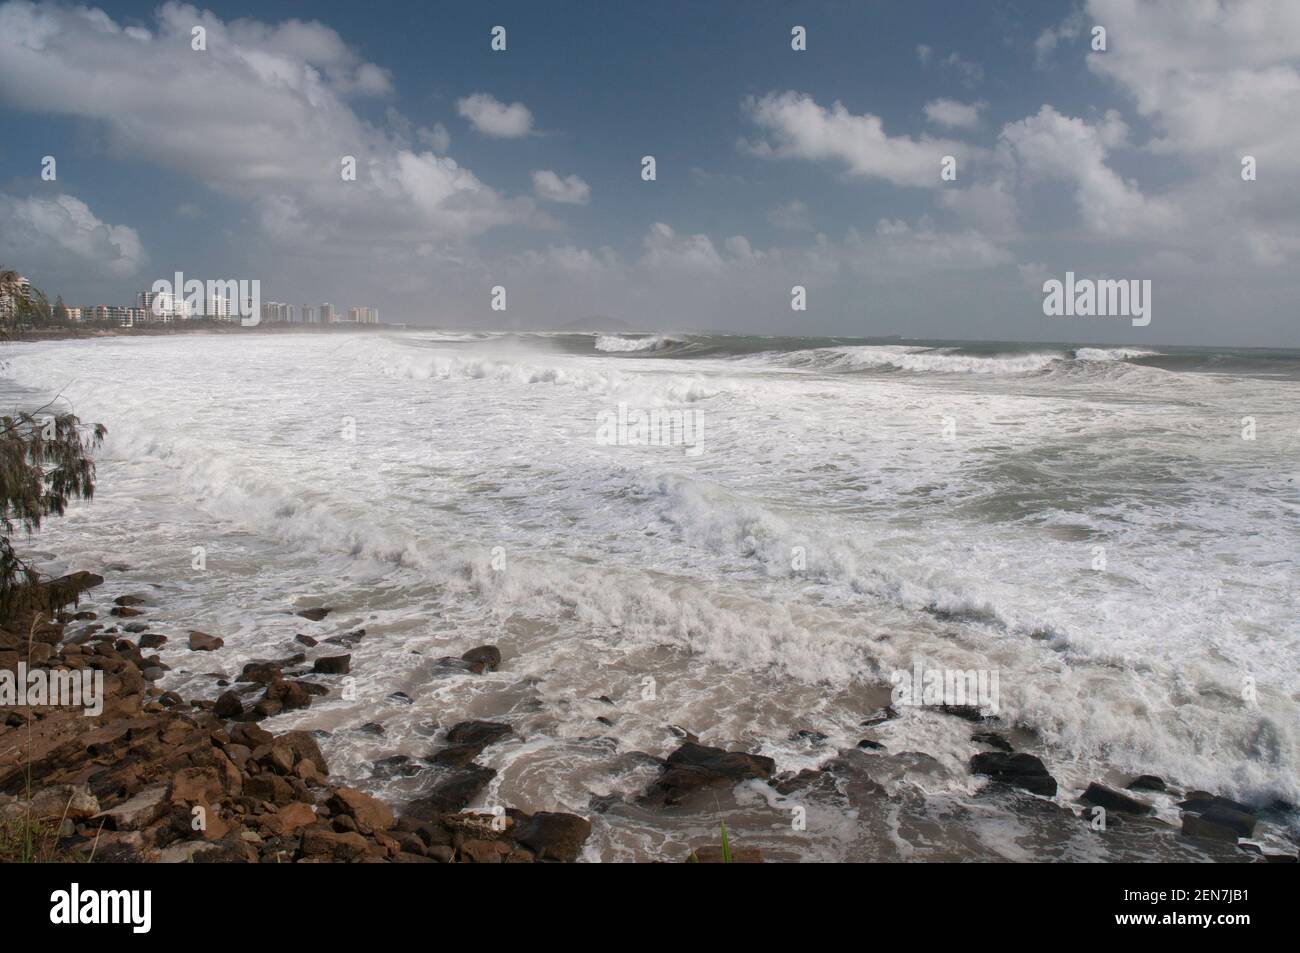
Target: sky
x,y
774,167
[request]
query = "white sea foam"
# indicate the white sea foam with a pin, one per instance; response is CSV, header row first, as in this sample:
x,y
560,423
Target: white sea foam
x,y
976,552
614,343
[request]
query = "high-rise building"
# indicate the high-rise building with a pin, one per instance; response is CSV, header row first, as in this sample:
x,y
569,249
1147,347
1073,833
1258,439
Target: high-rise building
x,y
363,315
9,301
308,313
328,314
163,305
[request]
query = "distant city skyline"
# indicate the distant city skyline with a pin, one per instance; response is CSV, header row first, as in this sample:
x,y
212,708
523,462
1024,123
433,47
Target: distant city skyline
x,y
391,156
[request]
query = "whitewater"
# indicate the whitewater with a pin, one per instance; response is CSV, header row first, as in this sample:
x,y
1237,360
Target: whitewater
x,y
1091,523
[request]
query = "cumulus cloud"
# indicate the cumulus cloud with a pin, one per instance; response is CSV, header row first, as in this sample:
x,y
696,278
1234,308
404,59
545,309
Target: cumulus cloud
x,y
664,248
60,234
493,118
801,129
950,112
1051,146
263,115
570,190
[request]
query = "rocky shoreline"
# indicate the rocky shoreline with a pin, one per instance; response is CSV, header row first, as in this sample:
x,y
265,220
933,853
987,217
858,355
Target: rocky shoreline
x,y
154,777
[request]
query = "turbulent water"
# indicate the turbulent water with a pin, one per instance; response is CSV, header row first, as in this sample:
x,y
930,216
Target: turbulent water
x,y
1092,524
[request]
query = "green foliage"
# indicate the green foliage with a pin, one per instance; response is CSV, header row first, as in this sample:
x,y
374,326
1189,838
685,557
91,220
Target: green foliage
x,y
45,463
45,460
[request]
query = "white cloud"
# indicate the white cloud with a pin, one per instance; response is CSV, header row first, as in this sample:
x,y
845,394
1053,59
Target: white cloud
x,y
438,138
1060,148
801,129
665,249
950,112
793,215
493,118
44,233
1069,30
262,116
570,190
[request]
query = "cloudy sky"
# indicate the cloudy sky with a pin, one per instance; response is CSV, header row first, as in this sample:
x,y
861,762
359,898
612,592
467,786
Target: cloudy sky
x,y
774,167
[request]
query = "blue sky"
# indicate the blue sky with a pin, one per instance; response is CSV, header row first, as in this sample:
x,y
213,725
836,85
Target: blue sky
x,y
775,167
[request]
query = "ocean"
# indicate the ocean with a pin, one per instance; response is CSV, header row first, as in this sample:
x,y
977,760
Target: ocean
x,y
776,528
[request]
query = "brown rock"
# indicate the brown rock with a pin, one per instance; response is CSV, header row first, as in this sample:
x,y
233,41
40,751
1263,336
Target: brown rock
x,y
228,705
369,813
202,642
553,836
484,658
289,818
333,665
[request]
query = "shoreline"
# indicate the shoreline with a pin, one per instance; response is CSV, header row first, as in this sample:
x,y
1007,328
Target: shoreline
x,y
194,328
158,778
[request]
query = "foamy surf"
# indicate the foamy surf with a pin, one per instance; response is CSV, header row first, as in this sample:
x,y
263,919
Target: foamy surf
x,y
975,552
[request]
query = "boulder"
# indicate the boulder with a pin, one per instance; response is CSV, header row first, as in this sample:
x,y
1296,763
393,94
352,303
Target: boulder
x,y
314,615
202,642
228,705
485,658
138,812
369,813
693,766
451,792
1101,796
1018,770
552,836
333,665
1147,782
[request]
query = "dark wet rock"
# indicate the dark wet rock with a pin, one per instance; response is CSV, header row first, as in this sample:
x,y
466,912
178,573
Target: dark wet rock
x,y
1216,818
263,673
681,732
814,738
398,765
694,766
552,836
347,639
136,628
808,779
152,640
879,717
314,615
606,699
993,740
373,728
485,658
333,665
451,792
306,640
130,601
1202,801
1221,823
125,612
449,664
401,698
866,744
1018,770
968,712
1147,782
228,705
467,738
1101,796
202,642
